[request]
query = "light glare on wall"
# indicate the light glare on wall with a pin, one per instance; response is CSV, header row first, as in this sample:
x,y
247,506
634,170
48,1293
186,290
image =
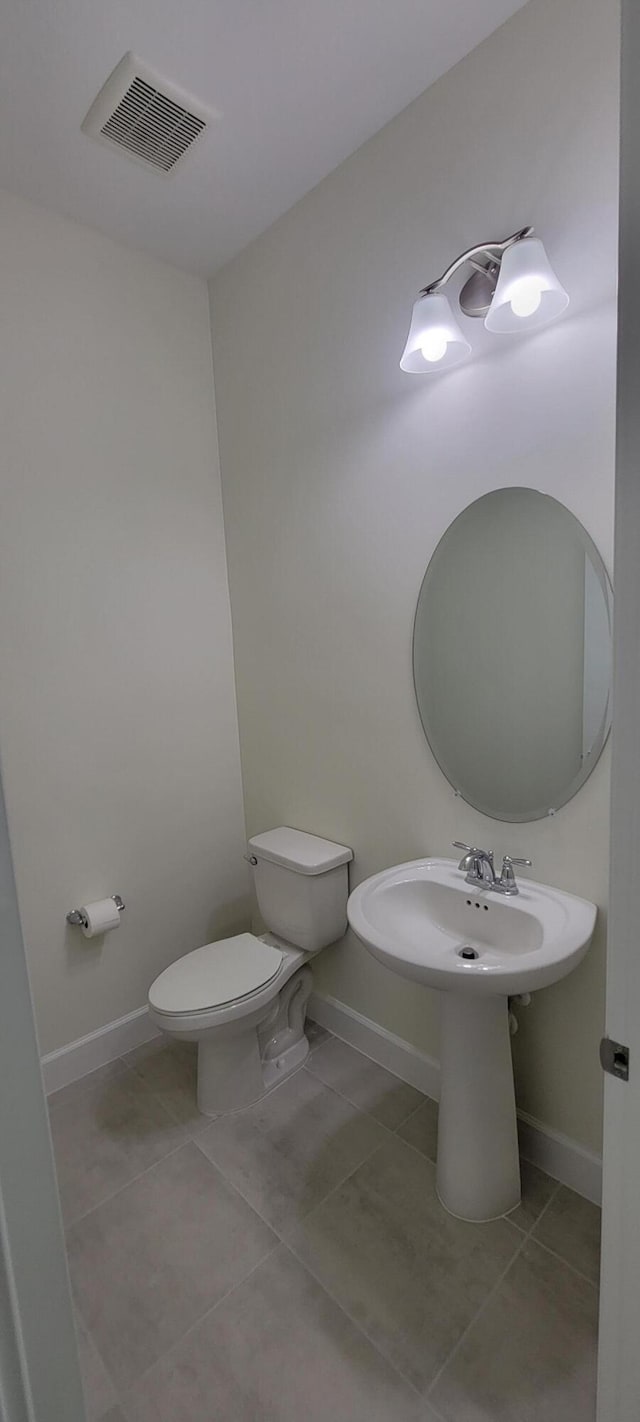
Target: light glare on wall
x,y
513,286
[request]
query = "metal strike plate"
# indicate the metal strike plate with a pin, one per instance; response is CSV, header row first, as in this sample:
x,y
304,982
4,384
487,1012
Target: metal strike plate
x,y
614,1058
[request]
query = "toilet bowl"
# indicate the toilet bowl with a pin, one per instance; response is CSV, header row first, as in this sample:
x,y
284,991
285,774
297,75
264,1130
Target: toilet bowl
x,y
244,999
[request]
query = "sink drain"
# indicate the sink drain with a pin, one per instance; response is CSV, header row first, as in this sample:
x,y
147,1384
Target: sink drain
x,y
469,954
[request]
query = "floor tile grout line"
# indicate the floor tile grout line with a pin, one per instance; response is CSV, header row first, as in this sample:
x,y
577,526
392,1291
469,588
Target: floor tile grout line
x,y
477,1315
188,1140
197,1323
368,1157
173,1120
336,1089
277,1244
405,1122
567,1263
288,1244
534,1240
329,1038
557,1184
491,1294
358,1050
358,1109
420,1107
547,1204
195,1140
289,1247
414,1148
131,1068
160,1095
357,1324
338,1185
434,1163
79,1219
395,1130
389,1131
281,1242
522,1235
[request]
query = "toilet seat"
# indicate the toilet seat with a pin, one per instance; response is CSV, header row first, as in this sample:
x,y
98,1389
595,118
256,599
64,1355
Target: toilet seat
x,y
215,976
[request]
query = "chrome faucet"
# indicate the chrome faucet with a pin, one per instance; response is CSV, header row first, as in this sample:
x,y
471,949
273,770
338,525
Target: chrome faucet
x,y
478,867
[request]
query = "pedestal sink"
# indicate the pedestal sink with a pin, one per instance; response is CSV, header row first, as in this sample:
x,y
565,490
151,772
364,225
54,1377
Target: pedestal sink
x,y
424,921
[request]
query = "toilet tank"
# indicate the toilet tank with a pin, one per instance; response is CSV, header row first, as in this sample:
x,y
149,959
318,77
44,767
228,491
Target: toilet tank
x,y
302,885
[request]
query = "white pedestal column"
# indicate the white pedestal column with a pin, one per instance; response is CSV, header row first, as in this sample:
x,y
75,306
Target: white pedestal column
x,y
478,1171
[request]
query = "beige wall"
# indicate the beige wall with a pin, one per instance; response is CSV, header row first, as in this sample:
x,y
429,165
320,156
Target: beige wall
x,y
340,475
118,728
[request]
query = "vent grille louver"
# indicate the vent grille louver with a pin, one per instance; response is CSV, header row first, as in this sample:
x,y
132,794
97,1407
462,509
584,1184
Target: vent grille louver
x,y
139,111
152,126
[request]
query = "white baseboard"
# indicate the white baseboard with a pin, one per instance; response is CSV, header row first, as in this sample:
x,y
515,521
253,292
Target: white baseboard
x,y
389,1051
558,1155
78,1058
554,1153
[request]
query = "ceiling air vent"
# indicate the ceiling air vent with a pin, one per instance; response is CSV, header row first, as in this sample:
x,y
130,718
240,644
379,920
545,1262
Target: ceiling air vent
x,y
143,113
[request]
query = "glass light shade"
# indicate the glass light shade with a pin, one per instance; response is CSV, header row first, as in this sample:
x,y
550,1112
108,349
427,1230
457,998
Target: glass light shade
x,y
435,341
528,292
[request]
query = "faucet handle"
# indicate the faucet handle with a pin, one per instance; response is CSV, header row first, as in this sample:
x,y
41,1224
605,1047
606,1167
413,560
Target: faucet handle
x,y
475,849
471,858
507,879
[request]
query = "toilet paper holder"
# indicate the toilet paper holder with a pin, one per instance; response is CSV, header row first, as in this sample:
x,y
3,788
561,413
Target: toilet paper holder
x,y
78,919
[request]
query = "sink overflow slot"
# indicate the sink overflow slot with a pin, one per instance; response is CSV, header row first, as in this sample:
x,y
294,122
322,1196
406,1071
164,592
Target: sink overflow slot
x,y
469,954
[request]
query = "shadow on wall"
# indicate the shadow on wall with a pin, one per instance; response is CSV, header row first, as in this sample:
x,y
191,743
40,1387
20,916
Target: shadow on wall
x,y
224,921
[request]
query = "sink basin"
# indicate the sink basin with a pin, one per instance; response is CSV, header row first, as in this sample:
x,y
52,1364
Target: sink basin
x,y
418,918
423,921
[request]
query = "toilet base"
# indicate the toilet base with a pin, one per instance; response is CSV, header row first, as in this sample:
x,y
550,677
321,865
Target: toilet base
x,y
283,1066
236,1068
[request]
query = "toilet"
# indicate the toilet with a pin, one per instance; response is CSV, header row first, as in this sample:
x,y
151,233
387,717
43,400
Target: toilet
x,y
244,999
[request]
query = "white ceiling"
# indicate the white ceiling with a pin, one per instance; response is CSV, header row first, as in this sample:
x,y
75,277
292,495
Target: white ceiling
x,y
299,84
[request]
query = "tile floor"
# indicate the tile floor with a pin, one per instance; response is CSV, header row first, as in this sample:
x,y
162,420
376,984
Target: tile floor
x,y
292,1261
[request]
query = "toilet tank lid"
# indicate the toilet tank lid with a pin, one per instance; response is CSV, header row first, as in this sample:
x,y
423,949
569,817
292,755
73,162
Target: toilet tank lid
x,y
294,849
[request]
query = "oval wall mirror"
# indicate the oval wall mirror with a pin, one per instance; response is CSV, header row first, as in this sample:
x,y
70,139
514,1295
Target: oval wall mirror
x,y
512,653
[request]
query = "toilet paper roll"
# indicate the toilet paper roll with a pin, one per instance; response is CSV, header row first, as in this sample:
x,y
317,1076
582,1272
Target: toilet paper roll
x,y
101,917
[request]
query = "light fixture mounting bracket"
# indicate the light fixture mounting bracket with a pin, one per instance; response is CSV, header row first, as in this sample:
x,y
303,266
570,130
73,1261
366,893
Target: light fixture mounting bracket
x,y
477,293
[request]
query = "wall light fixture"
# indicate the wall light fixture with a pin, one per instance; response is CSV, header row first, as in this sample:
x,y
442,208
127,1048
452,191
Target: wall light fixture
x,y
512,285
